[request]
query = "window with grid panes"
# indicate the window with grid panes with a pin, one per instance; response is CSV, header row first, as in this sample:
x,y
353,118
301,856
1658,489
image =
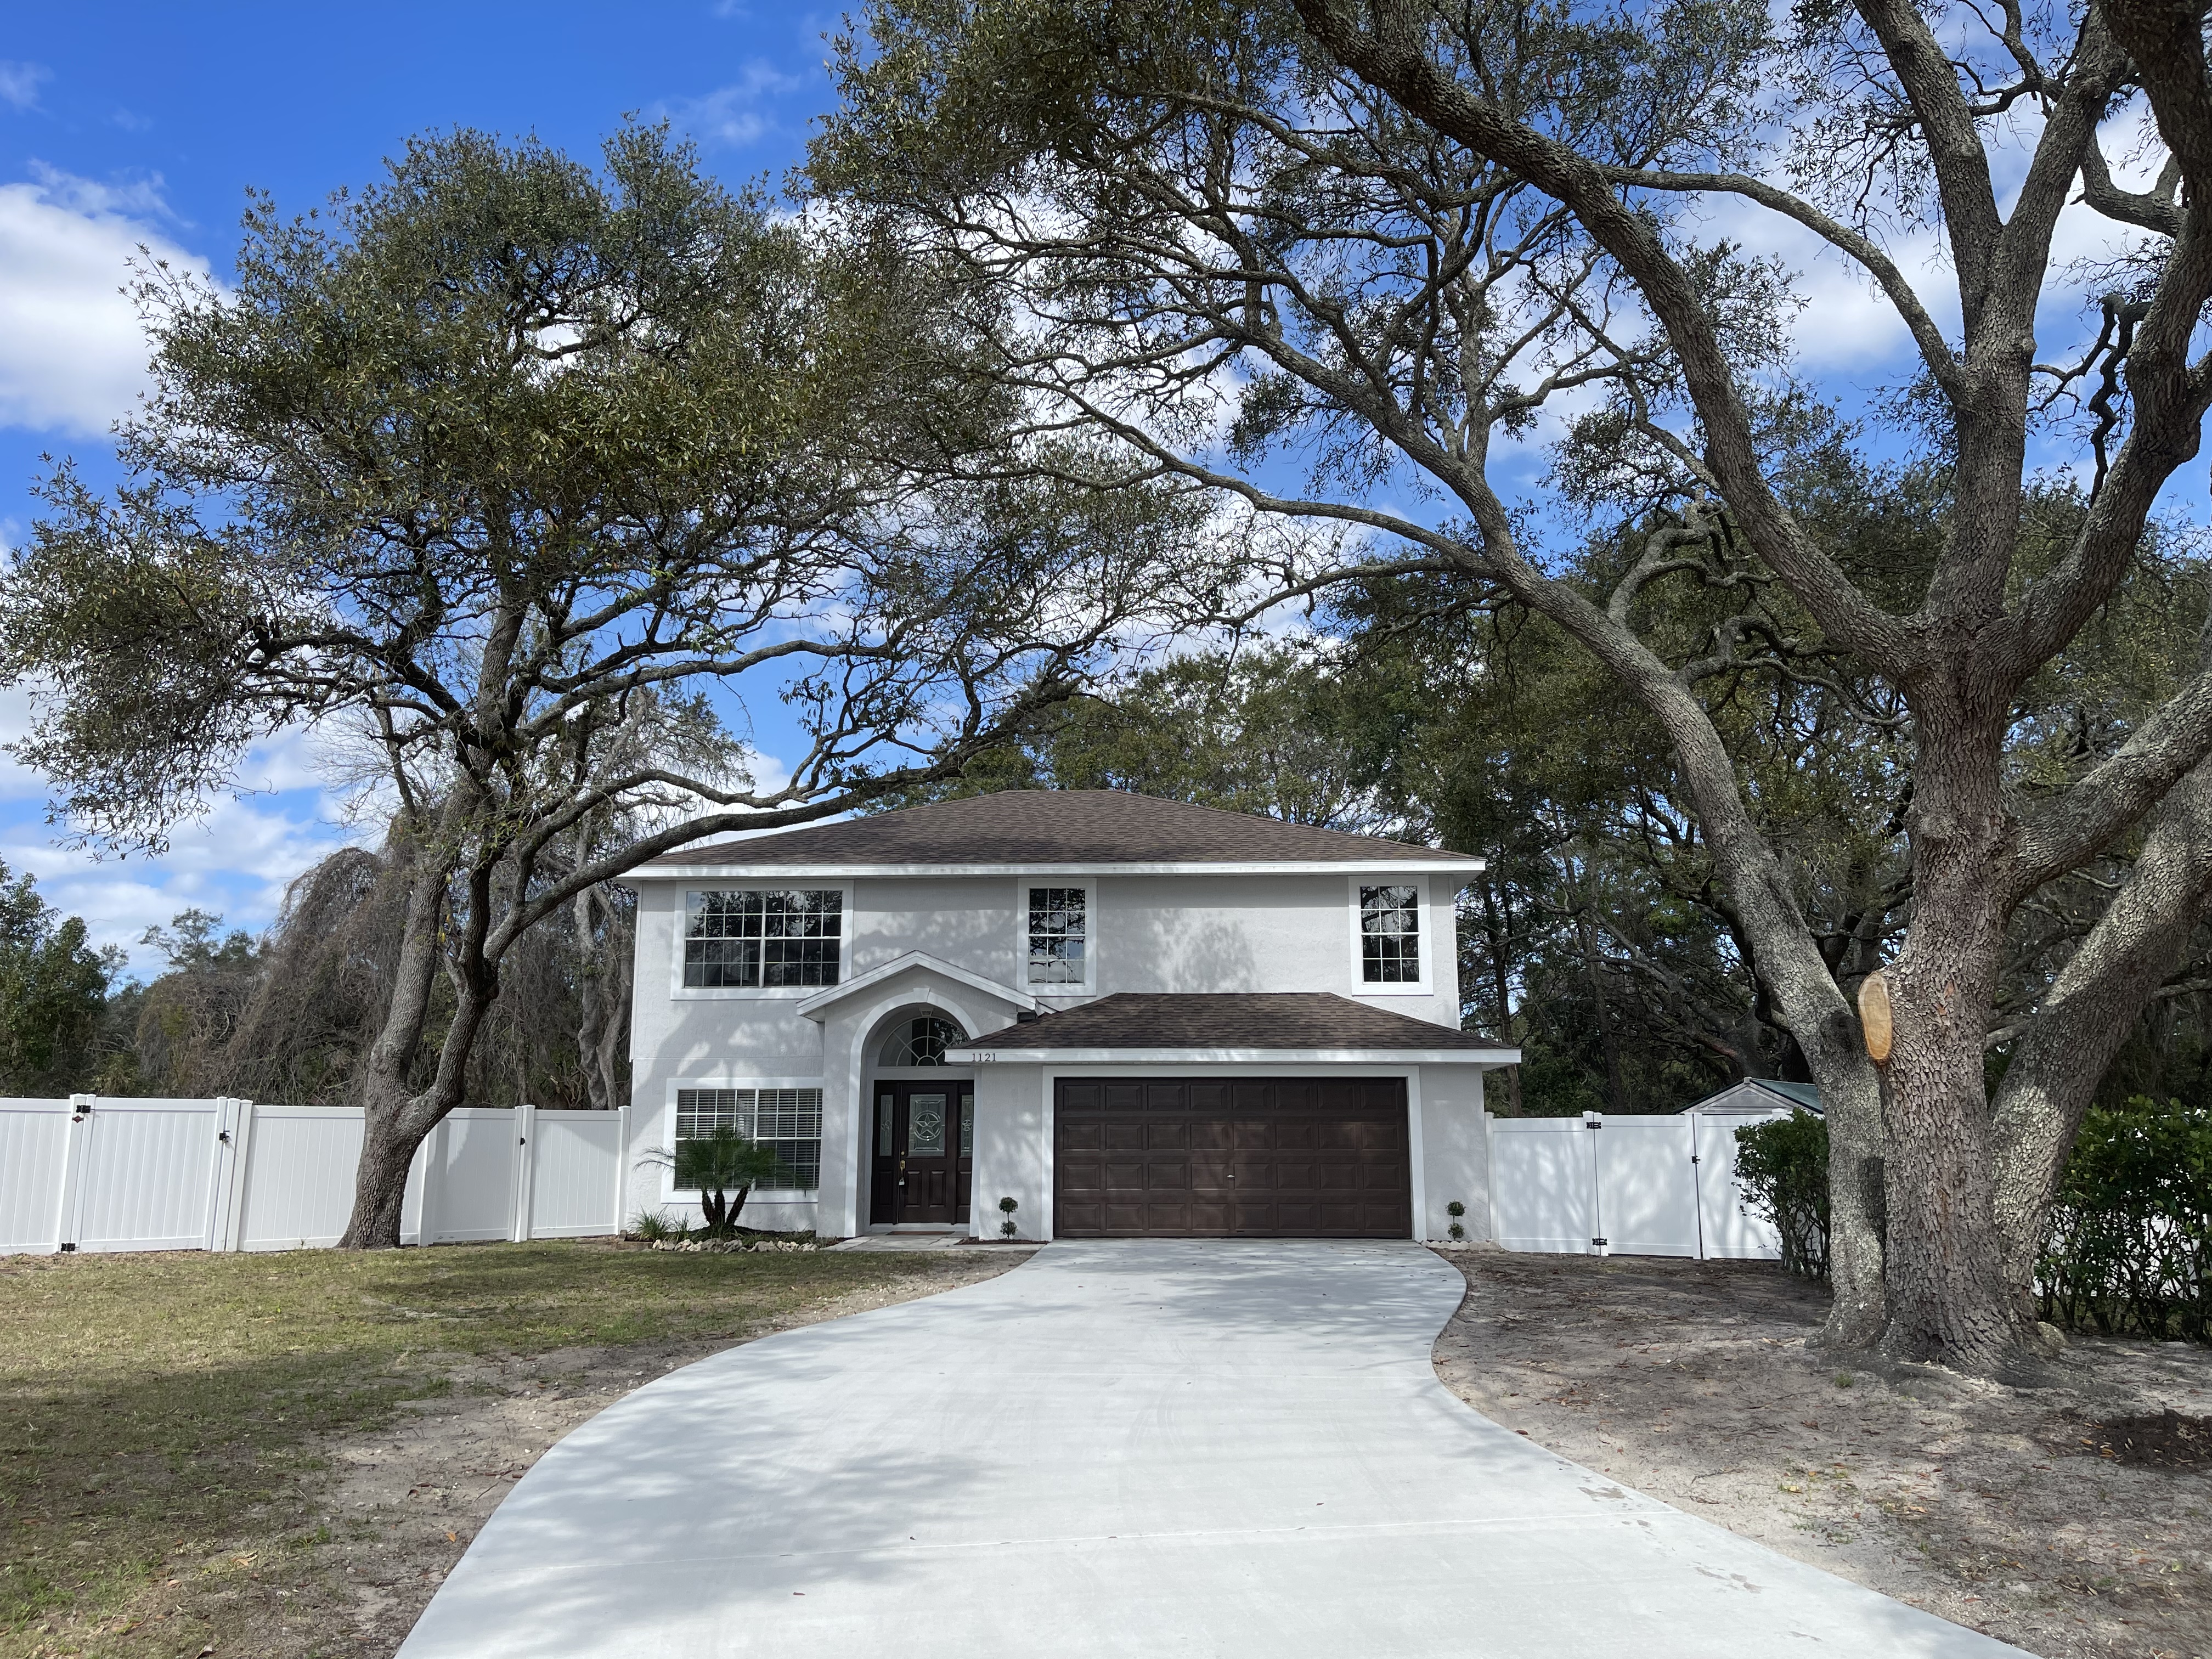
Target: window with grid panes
x,y
1059,935
752,938
788,1121
1390,935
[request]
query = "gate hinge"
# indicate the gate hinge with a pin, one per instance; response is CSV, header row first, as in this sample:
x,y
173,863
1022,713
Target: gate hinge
x,y
1601,1241
69,1250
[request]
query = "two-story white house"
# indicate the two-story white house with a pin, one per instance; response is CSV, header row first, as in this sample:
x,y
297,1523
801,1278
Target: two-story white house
x,y
1132,1016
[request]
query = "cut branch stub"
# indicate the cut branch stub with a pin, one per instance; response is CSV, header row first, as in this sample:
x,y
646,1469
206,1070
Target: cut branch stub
x,y
1873,1016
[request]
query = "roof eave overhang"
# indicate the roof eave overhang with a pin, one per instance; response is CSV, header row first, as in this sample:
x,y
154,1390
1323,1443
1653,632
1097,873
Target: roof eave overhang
x,y
976,1053
1464,867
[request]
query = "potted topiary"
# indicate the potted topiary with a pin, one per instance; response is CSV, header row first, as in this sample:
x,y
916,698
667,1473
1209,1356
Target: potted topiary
x,y
1006,1228
1455,1210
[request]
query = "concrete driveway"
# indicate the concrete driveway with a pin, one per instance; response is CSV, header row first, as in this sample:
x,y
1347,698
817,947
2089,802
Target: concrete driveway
x,y
1138,1449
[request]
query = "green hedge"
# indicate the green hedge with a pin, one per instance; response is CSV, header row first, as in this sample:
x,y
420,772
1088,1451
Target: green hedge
x,y
2129,1250
1782,1170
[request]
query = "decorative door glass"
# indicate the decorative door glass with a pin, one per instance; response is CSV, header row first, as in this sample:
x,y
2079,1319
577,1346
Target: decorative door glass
x,y
925,1126
885,1112
966,1126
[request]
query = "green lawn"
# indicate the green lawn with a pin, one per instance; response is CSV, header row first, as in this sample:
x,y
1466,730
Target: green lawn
x,y
159,1411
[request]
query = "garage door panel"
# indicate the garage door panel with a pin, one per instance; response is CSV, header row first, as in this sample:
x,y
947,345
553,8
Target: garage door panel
x,y
1237,1156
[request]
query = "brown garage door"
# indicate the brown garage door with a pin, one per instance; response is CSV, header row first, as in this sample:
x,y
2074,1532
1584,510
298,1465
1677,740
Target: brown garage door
x,y
1294,1157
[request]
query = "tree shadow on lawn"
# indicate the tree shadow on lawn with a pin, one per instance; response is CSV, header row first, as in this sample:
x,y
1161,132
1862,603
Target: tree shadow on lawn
x,y
163,1418
1996,1507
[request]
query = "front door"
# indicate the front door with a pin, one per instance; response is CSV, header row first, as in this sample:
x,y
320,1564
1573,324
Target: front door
x,y
925,1152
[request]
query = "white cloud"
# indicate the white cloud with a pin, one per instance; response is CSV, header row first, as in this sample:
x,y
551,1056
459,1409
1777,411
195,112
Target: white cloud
x,y
72,356
732,115
20,83
236,862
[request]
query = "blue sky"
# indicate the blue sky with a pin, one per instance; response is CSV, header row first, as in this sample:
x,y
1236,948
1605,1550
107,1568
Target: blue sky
x,y
124,124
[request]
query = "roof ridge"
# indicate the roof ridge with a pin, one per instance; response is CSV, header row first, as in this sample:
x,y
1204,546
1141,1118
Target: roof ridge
x,y
1056,826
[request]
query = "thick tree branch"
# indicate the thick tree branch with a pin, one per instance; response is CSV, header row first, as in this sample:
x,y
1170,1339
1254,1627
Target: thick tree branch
x,y
1391,56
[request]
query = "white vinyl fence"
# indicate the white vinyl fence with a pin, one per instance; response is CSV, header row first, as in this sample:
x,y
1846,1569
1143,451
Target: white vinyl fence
x,y
1624,1185
96,1174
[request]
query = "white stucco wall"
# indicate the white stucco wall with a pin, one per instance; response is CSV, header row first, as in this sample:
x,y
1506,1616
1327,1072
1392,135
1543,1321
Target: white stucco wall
x,y
1012,1149
1454,1150
1197,932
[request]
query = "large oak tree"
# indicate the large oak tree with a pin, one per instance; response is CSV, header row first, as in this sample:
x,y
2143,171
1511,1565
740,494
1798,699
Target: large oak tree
x,y
1344,260
526,482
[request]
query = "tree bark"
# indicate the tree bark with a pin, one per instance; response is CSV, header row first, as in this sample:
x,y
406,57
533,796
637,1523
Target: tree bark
x,y
2061,1055
603,983
389,1131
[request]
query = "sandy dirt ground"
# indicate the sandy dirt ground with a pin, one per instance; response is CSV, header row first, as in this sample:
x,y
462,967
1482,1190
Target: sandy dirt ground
x,y
2074,1519
398,1508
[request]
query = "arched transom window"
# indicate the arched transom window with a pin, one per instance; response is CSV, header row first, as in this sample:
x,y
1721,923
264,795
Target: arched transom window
x,y
921,1042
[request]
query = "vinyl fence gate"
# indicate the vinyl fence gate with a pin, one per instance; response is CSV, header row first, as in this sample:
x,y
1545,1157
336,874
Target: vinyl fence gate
x,y
1617,1185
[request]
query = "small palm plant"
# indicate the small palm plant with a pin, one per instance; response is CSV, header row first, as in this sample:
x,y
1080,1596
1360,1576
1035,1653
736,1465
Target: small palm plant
x,y
722,1168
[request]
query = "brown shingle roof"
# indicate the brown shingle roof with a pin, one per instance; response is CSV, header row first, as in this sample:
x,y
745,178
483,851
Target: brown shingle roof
x,y
1257,1019
1051,826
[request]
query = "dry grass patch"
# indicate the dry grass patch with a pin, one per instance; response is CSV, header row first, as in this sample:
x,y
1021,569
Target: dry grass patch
x,y
281,1455
2070,1521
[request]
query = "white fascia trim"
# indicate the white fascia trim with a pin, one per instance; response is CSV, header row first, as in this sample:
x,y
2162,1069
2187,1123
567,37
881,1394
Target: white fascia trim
x,y
971,1054
813,1006
794,872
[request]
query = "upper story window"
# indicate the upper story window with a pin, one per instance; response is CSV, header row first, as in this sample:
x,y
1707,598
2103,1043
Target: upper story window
x,y
757,938
922,1042
1059,934
1390,935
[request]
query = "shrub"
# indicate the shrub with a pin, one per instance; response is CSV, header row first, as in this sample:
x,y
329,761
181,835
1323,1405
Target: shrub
x,y
656,1227
2129,1250
1782,1169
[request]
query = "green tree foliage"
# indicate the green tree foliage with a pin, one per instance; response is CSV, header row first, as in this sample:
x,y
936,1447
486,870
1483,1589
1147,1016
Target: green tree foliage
x,y
2129,1246
1782,1170
523,479
53,991
183,1022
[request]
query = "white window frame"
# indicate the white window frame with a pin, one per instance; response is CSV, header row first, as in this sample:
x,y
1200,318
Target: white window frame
x,y
673,1193
1088,985
680,914
1425,950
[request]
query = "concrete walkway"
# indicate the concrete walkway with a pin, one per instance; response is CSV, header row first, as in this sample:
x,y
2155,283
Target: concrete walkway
x,y
1139,1450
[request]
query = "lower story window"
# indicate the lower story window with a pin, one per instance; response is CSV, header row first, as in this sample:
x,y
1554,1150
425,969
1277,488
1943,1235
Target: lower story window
x,y
788,1121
